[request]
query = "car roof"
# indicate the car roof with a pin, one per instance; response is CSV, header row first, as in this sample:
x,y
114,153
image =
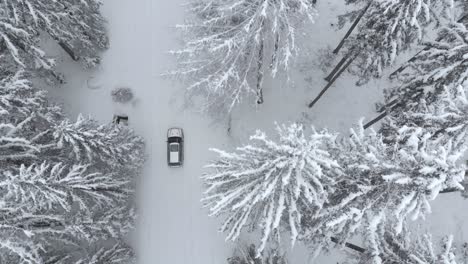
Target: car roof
x,y
174,155
175,132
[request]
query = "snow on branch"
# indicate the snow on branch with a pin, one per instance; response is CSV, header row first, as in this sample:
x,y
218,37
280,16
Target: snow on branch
x,y
411,247
87,141
43,186
385,183
118,252
271,182
76,26
445,118
317,189
441,65
390,28
231,45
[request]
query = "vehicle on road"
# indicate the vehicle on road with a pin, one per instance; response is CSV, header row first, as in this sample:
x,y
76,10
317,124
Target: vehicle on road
x,y
175,147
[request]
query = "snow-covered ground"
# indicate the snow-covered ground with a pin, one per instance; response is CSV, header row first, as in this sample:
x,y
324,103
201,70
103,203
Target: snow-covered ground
x,y
173,228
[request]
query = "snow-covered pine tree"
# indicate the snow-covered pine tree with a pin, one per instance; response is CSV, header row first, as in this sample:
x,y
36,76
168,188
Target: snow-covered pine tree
x,y
231,45
445,118
271,184
118,252
320,190
30,126
50,194
384,183
77,26
26,235
389,28
248,255
25,116
439,68
19,49
87,141
51,187
384,246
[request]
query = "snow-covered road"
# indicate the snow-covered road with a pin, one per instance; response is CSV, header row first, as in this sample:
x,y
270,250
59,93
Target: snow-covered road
x,y
173,228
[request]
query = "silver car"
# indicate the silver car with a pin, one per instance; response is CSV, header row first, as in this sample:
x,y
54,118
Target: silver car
x,y
175,147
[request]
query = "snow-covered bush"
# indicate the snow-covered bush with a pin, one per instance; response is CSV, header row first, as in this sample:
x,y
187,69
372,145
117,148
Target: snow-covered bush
x,y
270,183
389,28
231,45
122,95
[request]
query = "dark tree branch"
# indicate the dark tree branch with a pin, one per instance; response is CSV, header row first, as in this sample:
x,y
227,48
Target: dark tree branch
x,y
337,67
311,104
69,51
260,74
353,26
348,245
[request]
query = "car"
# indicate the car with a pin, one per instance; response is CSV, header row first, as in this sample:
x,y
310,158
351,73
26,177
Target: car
x,y
175,147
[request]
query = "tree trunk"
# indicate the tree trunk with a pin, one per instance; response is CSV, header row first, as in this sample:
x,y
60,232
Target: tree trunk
x,y
450,190
229,124
260,70
375,120
353,26
274,56
311,104
349,245
337,67
69,51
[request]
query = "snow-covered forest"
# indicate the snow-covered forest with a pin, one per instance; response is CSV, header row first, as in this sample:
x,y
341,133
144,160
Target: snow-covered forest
x,y
316,131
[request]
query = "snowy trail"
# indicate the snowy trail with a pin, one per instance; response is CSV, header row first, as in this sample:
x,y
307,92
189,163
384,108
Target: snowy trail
x,y
173,228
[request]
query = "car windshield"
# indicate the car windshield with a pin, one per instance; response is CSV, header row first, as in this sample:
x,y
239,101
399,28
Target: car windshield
x,y
174,147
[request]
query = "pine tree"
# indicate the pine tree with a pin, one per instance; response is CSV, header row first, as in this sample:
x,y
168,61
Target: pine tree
x,y
46,187
384,246
31,123
444,119
384,183
271,183
322,191
20,49
87,141
62,182
117,252
436,69
388,29
32,235
76,26
231,45
25,117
